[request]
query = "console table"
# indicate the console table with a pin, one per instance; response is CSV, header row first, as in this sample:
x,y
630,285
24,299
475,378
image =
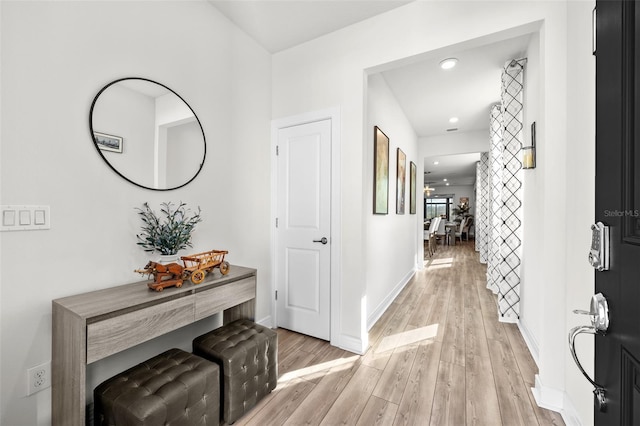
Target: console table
x,y
91,326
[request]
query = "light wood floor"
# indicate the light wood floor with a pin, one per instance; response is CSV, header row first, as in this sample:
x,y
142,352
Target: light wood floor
x,y
438,356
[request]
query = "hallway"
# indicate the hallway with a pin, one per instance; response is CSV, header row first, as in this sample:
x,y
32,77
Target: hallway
x,y
437,356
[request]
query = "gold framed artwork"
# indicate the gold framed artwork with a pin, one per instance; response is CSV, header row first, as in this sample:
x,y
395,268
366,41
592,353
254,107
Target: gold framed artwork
x,y
380,172
401,179
413,171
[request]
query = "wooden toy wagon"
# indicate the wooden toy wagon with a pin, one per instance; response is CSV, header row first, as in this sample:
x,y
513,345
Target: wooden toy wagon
x,y
197,265
163,275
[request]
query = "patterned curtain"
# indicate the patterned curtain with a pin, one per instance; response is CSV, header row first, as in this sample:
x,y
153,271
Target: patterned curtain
x,y
482,207
495,199
505,183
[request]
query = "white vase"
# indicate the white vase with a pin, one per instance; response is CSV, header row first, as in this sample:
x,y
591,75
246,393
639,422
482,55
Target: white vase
x,y
168,258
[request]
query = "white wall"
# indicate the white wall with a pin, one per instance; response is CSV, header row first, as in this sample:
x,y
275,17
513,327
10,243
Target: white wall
x,y
184,142
390,239
580,164
328,72
55,57
2,393
531,301
172,167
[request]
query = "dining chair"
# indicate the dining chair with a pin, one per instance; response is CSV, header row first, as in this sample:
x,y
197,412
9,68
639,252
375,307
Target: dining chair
x,y
429,235
461,229
441,231
467,227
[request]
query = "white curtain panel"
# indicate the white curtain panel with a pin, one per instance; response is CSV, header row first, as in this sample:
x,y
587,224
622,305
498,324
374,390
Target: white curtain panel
x,y
504,224
494,237
505,192
482,207
511,247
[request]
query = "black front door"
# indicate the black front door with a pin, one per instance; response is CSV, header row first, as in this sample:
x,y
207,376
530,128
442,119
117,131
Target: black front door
x,y
617,352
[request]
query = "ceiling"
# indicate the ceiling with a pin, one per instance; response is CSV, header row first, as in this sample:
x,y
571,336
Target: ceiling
x,y
280,24
428,95
457,169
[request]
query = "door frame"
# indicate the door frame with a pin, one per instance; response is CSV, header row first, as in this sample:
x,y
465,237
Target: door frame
x,y
332,114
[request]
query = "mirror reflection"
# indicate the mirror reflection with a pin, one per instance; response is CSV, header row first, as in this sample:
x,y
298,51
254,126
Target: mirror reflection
x,y
147,133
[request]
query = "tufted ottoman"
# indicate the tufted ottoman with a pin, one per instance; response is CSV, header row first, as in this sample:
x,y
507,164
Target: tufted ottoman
x,y
173,388
248,355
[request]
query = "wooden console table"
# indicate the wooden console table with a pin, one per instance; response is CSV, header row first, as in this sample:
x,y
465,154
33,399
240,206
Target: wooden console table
x,y
91,326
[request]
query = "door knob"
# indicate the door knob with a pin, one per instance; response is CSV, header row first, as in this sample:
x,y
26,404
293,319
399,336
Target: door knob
x,y
322,240
599,314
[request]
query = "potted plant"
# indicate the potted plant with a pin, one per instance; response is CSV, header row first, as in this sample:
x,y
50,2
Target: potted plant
x,y
168,232
461,211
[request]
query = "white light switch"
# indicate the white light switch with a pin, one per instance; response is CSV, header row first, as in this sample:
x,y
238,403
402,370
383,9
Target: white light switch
x,y
8,218
39,217
25,218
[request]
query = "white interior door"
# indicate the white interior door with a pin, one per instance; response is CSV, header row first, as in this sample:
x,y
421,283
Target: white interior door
x,y
303,258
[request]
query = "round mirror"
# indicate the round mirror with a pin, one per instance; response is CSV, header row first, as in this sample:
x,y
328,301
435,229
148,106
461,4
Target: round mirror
x,y
147,134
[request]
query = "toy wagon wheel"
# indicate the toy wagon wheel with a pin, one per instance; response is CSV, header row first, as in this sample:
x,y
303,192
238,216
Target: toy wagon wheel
x,y
179,284
197,276
224,267
159,288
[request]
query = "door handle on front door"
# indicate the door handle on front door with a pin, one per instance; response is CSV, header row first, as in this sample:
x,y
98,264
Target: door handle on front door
x,y
322,240
599,314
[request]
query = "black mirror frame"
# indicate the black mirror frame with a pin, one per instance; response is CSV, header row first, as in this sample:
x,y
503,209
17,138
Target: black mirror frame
x,y
91,132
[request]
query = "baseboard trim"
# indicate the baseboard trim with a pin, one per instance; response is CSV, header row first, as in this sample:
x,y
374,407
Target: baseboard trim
x,y
266,322
555,400
530,341
387,301
351,344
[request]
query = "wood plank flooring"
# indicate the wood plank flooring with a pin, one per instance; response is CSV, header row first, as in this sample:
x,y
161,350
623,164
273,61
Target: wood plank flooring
x,y
438,356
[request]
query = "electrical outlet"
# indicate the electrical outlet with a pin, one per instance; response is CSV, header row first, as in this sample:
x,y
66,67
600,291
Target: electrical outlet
x,y
38,378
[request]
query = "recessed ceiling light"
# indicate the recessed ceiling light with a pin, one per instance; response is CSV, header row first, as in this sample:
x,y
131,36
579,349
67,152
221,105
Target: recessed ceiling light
x,y
448,63
445,179
436,163
447,183
453,120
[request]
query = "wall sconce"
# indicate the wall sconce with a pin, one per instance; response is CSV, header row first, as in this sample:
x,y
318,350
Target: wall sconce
x,y
529,152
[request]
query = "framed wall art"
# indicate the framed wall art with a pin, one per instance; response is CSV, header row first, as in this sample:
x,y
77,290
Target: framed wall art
x,y
108,142
380,172
401,179
413,170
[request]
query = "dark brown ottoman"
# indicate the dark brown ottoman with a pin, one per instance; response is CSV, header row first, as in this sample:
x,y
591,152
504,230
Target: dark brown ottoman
x,y
248,355
175,388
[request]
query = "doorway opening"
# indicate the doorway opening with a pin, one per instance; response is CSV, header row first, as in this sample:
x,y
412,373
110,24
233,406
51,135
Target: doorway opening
x,y
432,100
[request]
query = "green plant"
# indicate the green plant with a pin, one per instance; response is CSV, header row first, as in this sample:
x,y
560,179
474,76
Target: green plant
x,y
168,232
461,210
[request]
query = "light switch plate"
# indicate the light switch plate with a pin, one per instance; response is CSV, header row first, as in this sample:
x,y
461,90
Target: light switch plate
x,y
25,218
